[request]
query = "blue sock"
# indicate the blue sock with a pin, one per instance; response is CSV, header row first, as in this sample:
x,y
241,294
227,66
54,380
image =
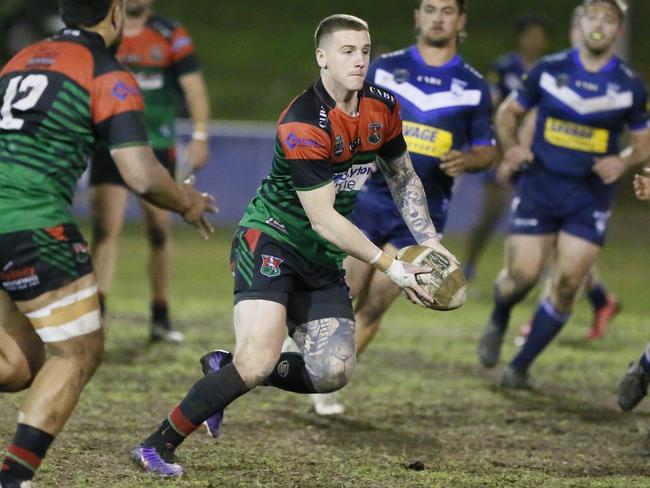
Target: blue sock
x,y
645,360
503,306
547,322
598,296
469,270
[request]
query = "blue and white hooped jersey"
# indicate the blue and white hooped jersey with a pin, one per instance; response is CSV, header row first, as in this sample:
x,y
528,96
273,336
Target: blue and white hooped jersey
x,y
443,108
506,75
581,114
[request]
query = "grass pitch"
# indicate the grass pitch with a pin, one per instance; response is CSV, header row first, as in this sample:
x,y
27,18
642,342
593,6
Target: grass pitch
x,y
418,393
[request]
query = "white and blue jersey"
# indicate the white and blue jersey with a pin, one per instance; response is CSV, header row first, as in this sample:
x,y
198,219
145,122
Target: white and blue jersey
x,y
506,75
443,108
581,116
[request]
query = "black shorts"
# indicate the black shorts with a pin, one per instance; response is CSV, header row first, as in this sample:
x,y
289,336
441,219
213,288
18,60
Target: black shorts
x,y
267,269
33,262
104,171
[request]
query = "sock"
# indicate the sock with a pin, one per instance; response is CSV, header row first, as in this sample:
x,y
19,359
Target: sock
x,y
469,270
645,360
159,312
597,296
546,324
102,303
23,457
209,395
503,306
290,374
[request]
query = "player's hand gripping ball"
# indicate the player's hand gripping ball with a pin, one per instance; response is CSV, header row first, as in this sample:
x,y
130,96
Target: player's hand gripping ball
x,y
445,283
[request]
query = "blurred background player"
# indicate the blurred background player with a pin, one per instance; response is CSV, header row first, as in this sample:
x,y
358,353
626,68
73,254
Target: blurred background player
x,y
532,41
160,53
287,255
446,114
585,97
634,385
60,96
605,305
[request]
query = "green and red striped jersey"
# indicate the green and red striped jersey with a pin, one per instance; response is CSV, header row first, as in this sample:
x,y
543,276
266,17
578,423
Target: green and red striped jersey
x,y
317,144
158,55
59,96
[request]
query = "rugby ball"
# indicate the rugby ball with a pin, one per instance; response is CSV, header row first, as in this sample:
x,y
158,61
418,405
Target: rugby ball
x,y
446,281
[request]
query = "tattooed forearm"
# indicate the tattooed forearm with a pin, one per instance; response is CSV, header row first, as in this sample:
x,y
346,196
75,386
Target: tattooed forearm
x,y
409,196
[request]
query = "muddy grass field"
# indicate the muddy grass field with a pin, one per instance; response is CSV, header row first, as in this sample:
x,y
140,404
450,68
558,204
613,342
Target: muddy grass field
x,y
420,410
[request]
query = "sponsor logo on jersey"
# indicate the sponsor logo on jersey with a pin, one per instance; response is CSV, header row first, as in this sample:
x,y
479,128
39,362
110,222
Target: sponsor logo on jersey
x,y
381,93
429,80
156,53
375,132
150,81
355,144
181,43
339,146
401,75
574,136
122,91
322,118
270,266
426,140
276,224
294,141
354,178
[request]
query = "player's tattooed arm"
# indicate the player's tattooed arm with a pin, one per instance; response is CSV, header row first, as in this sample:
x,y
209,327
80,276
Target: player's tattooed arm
x,y
409,196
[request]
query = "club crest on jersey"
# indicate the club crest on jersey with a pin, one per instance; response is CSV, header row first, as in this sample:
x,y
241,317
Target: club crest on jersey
x,y
562,80
339,146
401,75
271,266
156,53
375,132
457,86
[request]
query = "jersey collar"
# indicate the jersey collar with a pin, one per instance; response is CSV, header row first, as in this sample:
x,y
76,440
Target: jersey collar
x,y
326,98
415,54
611,64
76,33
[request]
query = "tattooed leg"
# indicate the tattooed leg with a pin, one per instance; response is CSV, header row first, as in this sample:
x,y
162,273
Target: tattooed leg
x,y
327,358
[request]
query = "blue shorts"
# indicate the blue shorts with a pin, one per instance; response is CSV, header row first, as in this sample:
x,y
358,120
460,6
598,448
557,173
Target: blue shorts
x,y
378,218
548,203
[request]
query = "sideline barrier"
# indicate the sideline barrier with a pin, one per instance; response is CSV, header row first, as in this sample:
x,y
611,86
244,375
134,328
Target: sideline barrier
x,y
240,157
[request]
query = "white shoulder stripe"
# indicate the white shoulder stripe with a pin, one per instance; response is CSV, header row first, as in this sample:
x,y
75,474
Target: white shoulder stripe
x,y
421,100
584,106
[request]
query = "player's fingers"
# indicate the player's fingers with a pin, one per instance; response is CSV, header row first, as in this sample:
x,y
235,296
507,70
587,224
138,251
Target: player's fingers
x,y
422,295
190,180
208,197
413,297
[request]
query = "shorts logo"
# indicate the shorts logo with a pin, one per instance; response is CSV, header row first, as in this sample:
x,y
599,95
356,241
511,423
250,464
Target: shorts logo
x,y
375,132
81,252
19,279
271,266
283,369
600,221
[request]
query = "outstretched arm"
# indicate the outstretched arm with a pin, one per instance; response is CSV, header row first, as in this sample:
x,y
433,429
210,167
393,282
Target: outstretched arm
x,y
410,198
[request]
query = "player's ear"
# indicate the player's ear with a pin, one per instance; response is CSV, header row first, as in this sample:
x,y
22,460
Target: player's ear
x,y
117,11
321,58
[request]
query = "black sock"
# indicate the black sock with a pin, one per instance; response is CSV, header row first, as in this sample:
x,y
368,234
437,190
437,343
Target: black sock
x,y
24,455
209,395
291,374
159,312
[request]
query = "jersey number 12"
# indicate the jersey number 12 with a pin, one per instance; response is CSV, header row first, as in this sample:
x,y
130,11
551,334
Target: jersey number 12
x,y
35,85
